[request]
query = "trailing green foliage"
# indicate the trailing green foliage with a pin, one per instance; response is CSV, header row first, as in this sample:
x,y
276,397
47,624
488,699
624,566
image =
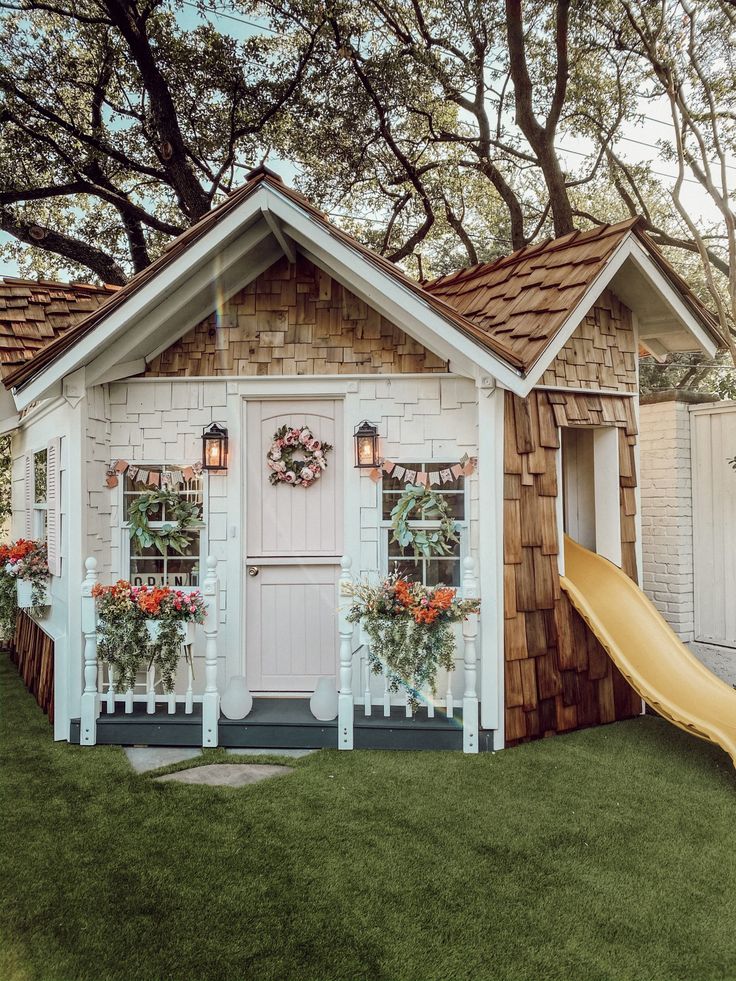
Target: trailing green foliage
x,y
174,535
423,504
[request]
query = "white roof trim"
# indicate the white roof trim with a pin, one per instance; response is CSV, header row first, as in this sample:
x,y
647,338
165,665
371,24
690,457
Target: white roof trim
x,y
139,313
628,248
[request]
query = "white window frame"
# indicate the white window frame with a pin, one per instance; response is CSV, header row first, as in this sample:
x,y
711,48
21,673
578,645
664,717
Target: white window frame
x,y
124,526
463,526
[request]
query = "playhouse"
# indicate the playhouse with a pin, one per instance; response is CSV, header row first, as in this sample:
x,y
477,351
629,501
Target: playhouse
x,y
510,388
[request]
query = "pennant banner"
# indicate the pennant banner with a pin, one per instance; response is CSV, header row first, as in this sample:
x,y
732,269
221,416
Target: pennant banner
x,y
168,479
463,468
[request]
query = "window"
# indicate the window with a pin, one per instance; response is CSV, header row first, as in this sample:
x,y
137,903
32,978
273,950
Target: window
x,y
147,566
438,569
40,494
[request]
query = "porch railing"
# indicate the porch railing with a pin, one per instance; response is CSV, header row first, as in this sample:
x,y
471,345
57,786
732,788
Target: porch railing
x,y
449,700
99,681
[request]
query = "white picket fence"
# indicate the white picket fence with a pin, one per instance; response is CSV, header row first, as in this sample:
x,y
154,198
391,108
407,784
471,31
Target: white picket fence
x,y
99,680
363,690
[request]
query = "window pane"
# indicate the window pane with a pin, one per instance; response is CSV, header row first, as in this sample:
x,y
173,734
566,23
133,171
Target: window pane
x,y
413,571
182,572
147,572
445,571
39,477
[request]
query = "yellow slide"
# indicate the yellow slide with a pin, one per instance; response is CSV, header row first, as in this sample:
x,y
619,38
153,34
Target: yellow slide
x,y
646,650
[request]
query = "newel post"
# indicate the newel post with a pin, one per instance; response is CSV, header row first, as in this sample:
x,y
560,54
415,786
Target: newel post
x,y
90,707
211,697
345,696
470,590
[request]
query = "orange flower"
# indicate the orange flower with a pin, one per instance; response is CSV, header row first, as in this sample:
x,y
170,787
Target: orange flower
x,y
442,599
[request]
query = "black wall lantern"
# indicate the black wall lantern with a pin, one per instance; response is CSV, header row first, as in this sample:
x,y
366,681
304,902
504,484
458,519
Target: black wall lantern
x,y
366,446
214,448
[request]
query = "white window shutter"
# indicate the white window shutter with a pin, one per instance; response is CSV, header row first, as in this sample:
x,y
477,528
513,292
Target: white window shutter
x,y
53,524
28,493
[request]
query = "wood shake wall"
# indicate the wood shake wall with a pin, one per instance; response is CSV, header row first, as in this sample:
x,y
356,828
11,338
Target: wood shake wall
x,y
32,651
557,675
602,351
294,320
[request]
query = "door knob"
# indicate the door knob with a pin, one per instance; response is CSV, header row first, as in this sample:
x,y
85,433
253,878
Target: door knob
x,y
253,570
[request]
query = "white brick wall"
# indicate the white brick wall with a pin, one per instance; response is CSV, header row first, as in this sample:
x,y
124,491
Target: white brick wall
x,y
667,513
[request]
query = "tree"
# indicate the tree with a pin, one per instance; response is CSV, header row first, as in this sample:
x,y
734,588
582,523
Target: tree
x,y
119,127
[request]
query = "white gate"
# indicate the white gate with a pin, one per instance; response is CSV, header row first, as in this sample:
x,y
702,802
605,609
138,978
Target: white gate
x,y
713,431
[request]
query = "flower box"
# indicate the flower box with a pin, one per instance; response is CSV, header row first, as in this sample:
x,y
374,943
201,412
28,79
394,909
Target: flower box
x,y
186,630
24,591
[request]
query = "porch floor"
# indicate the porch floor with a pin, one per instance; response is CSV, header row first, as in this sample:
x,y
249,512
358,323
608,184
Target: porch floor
x,y
283,723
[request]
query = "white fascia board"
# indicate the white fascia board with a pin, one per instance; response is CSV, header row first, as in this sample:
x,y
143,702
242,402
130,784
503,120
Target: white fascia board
x,y
390,297
141,302
9,424
629,248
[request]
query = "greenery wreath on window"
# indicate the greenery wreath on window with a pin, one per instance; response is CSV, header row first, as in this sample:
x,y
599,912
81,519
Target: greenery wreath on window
x,y
296,457
175,535
423,504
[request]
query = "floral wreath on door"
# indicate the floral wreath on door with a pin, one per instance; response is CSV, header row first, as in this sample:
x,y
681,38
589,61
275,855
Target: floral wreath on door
x,y
296,456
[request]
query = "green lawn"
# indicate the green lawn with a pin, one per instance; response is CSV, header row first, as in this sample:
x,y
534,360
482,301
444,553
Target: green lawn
x,y
606,854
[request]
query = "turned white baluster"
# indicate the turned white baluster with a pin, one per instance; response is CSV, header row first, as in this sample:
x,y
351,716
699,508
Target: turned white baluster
x,y
151,690
211,697
345,627
408,706
90,706
430,706
129,701
386,696
110,690
470,590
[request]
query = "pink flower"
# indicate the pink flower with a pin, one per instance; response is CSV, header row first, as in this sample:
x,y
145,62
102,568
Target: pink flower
x,y
291,438
278,465
289,477
315,445
305,437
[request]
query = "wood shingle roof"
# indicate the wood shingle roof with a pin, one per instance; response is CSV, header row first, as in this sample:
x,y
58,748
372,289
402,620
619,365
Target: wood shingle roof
x,y
35,312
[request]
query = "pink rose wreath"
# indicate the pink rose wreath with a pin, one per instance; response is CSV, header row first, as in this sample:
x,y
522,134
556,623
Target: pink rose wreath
x,y
296,457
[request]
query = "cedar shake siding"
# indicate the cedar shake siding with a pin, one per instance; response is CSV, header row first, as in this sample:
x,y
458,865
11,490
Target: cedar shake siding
x,y
557,675
294,319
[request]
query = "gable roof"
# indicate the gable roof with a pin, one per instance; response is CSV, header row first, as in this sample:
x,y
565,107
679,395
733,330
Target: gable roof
x,y
513,311
35,312
525,299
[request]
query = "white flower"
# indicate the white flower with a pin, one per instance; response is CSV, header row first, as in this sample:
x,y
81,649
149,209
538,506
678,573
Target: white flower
x,y
305,437
306,473
278,465
289,476
275,452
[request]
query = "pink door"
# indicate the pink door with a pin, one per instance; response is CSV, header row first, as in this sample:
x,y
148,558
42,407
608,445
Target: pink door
x,y
293,544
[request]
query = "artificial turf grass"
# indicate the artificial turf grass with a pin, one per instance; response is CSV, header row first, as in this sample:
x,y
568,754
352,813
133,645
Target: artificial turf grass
x,y
604,854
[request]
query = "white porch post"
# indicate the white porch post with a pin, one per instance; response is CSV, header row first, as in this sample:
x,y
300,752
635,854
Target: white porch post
x,y
211,697
345,697
470,632
90,707
490,551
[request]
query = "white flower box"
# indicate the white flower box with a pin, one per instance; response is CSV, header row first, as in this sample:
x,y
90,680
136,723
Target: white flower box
x,y
24,592
186,630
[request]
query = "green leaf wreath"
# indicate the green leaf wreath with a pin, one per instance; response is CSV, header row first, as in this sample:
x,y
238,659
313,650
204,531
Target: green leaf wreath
x,y
174,535
425,504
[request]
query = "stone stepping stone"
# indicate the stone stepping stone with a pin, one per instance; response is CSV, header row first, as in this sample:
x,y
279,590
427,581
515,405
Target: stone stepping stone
x,y
294,754
227,774
145,758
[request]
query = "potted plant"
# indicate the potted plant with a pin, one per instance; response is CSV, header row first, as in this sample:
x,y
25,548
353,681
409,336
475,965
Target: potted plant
x,y
27,563
410,630
139,627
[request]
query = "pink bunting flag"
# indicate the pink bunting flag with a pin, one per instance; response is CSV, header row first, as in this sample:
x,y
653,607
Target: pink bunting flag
x,y
422,479
375,475
469,468
457,470
121,466
154,479
388,467
187,473
112,480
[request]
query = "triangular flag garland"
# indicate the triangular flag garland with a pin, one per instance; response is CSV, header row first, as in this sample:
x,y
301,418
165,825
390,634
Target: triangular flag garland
x,y
168,479
464,468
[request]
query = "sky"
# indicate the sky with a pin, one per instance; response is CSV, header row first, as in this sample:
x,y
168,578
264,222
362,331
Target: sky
x,y
637,142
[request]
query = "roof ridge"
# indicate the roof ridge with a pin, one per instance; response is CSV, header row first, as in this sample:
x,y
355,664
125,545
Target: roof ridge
x,y
20,281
